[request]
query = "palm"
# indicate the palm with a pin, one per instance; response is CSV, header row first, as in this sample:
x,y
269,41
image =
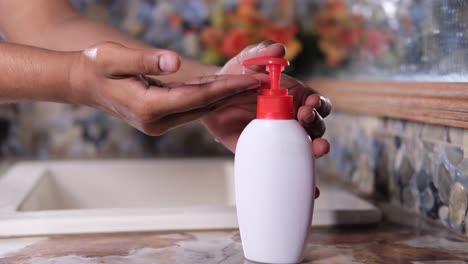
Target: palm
x,y
227,123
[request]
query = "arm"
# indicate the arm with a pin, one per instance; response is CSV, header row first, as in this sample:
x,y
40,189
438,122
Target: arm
x,y
57,26
54,24
24,76
108,77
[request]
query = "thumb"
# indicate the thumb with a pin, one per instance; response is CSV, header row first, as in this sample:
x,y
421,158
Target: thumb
x,y
264,49
118,60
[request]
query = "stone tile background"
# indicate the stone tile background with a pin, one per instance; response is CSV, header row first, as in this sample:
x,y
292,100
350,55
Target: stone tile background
x,y
43,130
419,167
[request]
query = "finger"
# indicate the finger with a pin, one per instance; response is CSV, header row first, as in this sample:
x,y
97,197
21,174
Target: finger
x,y
263,49
306,95
155,82
262,77
271,49
325,107
313,101
177,119
297,89
199,94
306,115
320,147
316,128
150,81
174,120
205,79
246,101
118,61
317,192
173,84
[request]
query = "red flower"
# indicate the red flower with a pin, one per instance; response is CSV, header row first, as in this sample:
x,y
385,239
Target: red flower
x,y
334,53
349,37
247,10
212,37
280,33
235,42
327,27
374,42
335,8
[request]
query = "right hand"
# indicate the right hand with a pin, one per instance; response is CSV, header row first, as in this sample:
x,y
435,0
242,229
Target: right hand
x,y
113,78
310,108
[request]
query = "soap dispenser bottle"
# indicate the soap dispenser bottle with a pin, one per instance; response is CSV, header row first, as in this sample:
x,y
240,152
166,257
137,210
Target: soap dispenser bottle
x,y
274,176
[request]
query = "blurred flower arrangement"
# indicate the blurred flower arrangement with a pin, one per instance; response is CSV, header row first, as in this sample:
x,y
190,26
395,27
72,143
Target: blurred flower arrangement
x,y
341,33
232,30
335,36
214,31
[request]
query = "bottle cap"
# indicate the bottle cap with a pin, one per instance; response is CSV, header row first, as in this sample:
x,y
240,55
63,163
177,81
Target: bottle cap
x,y
274,102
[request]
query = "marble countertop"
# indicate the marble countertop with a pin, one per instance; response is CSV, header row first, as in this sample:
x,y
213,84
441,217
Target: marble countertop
x,y
386,243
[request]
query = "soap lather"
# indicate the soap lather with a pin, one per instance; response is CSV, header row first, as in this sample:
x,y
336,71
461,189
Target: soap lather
x,y
274,176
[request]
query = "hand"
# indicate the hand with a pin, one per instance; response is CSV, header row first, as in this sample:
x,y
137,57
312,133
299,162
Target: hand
x,y
227,123
113,78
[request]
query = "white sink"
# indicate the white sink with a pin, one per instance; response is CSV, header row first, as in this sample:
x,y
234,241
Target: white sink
x,y
69,197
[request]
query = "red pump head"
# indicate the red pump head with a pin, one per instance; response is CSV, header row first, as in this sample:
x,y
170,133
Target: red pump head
x,y
274,103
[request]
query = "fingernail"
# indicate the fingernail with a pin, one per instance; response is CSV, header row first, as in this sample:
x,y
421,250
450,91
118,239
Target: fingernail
x,y
268,42
321,102
262,46
167,63
265,44
255,49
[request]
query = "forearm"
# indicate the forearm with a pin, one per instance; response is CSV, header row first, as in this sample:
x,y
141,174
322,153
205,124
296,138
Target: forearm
x,y
62,37
30,73
57,26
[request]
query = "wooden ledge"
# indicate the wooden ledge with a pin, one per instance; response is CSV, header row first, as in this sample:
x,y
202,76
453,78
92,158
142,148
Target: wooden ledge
x,y
434,103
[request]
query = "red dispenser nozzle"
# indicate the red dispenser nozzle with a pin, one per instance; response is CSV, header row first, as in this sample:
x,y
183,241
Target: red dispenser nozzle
x,y
274,103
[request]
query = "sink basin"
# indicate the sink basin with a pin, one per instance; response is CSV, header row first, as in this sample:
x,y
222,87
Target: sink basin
x,y
70,197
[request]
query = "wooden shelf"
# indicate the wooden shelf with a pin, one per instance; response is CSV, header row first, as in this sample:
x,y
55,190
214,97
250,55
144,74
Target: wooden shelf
x,y
435,103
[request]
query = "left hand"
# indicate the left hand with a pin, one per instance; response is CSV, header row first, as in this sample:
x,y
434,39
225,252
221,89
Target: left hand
x,y
227,123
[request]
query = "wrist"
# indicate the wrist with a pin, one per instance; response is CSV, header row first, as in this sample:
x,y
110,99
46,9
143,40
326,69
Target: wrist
x,y
54,83
66,87
74,92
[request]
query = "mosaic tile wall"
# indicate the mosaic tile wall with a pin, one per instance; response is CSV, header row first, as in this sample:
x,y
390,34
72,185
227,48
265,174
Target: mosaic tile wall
x,y
420,167
43,130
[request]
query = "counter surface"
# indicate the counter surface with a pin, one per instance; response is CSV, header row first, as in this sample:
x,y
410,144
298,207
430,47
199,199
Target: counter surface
x,y
385,243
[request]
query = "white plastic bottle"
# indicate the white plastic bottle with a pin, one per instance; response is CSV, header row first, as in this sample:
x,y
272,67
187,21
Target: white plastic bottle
x,y
274,176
